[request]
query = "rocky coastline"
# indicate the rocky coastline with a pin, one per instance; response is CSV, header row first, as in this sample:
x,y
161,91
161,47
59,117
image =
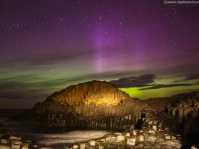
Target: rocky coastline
x,y
158,130
155,123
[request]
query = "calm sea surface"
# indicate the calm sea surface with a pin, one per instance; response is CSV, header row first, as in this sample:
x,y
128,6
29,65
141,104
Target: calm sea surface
x,y
49,136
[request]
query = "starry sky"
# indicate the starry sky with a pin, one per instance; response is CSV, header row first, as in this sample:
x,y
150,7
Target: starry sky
x,y
147,48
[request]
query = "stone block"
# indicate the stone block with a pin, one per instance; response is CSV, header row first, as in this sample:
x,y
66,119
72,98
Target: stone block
x,y
152,131
128,134
151,138
12,137
177,144
159,124
82,145
126,117
169,142
111,139
117,133
173,137
140,138
75,146
154,127
92,142
100,145
131,141
120,138
150,122
15,142
35,146
101,140
160,136
132,127
15,146
25,146
4,141
134,132
167,128
167,136
155,122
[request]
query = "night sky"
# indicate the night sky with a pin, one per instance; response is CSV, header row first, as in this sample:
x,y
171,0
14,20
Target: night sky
x,y
147,48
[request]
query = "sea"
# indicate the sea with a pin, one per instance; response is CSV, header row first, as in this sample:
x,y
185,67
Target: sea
x,y
48,136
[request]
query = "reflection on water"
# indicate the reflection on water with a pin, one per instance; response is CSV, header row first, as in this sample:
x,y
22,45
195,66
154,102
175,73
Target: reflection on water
x,y
71,137
55,136
46,135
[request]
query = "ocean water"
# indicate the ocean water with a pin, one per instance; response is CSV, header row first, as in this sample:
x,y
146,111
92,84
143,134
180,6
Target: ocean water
x,y
49,136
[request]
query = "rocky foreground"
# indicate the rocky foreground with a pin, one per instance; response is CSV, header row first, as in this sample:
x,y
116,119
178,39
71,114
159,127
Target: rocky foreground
x,y
158,130
100,105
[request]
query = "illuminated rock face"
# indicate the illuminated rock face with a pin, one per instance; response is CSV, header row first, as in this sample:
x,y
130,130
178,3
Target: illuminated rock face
x,y
95,98
98,92
95,104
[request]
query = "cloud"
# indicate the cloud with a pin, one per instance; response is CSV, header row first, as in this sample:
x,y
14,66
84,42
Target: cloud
x,y
194,76
132,81
33,84
157,86
11,96
189,77
47,59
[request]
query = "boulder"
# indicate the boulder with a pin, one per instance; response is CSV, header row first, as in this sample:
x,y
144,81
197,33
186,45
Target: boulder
x,y
82,145
111,139
75,146
92,142
131,141
140,138
120,138
134,132
151,138
151,131
101,140
4,141
12,137
15,146
25,146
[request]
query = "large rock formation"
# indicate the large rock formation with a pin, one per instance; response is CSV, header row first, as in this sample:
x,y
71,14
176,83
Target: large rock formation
x,y
99,104
185,109
158,130
161,103
94,104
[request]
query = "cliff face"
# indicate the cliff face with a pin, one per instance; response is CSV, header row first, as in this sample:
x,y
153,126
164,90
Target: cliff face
x,y
183,107
98,92
161,104
91,98
96,103
186,111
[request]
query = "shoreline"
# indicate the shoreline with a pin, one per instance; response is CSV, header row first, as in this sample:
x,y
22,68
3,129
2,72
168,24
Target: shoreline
x,y
155,132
